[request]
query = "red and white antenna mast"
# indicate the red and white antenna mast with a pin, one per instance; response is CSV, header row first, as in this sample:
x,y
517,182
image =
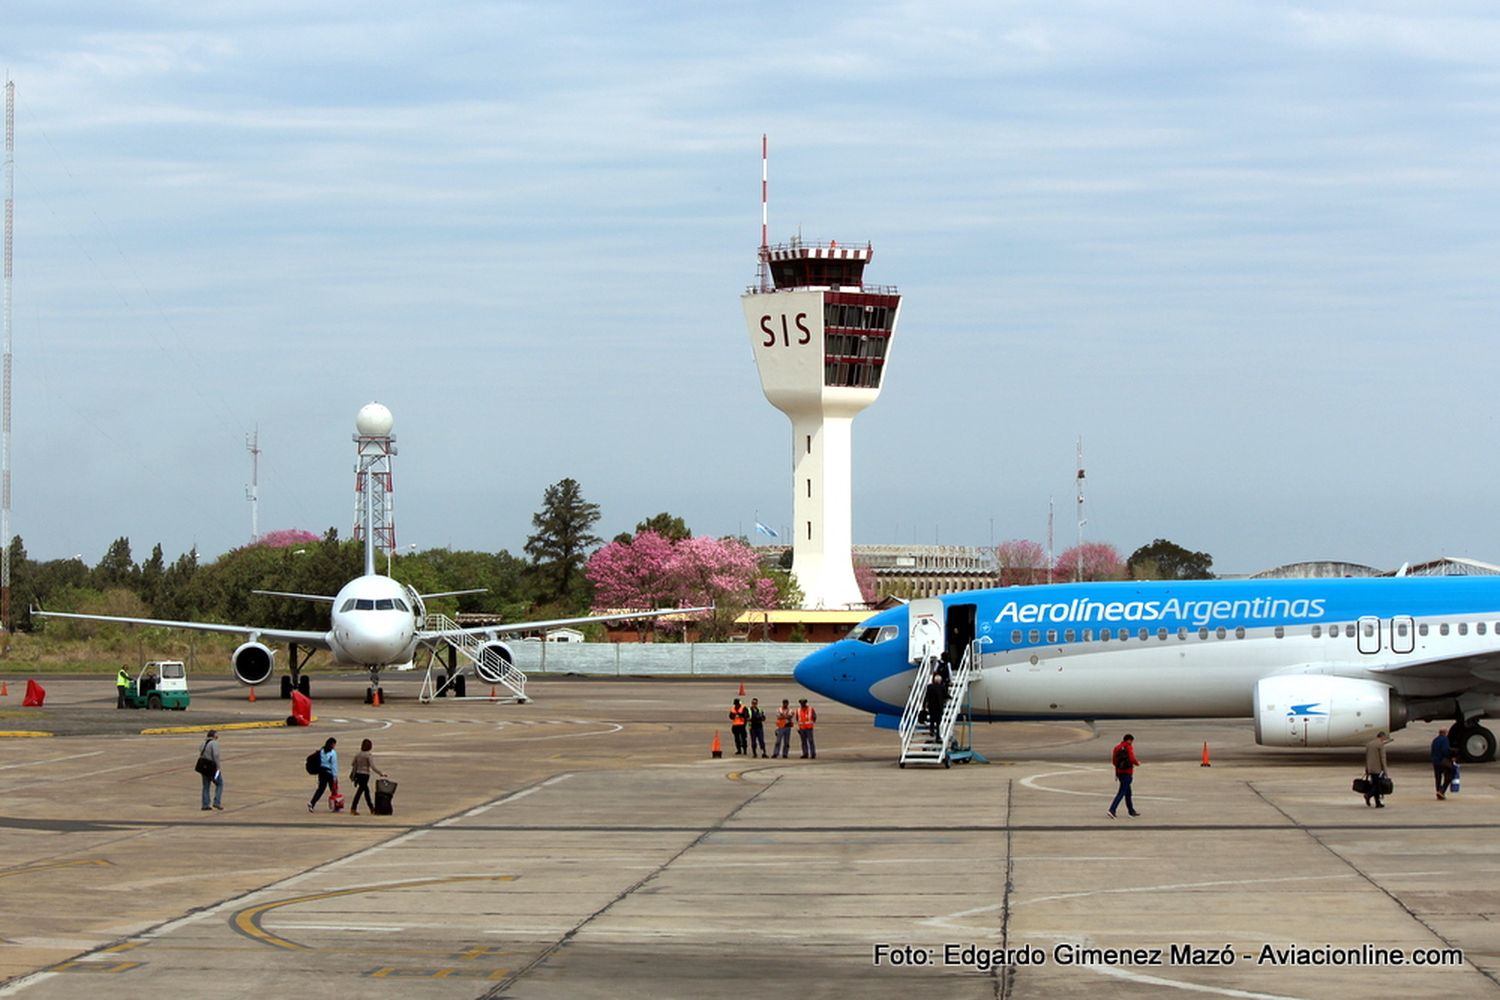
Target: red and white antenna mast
x,y
10,195
765,229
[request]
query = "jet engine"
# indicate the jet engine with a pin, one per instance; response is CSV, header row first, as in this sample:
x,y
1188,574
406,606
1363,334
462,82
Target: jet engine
x,y
252,663
1315,710
495,660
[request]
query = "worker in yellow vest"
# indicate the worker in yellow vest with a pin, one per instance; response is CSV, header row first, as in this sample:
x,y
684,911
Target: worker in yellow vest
x,y
122,681
739,716
806,717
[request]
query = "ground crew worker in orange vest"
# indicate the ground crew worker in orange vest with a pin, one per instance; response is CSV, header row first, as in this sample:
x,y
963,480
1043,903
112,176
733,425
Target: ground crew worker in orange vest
x,y
806,716
739,715
783,730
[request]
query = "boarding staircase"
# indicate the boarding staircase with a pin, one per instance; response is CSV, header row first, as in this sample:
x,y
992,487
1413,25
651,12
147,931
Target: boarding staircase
x,y
489,666
917,745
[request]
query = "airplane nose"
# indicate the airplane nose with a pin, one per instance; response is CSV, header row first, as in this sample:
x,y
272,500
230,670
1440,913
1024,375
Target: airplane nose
x,y
815,671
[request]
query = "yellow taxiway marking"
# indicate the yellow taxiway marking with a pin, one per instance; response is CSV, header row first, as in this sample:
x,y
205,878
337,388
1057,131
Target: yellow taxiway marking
x,y
49,865
247,921
167,730
22,733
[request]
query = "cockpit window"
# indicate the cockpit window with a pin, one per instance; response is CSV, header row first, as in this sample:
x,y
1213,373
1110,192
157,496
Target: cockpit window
x,y
885,633
364,604
400,604
348,605
384,604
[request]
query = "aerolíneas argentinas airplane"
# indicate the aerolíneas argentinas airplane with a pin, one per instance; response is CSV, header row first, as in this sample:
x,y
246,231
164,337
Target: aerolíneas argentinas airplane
x,y
1314,662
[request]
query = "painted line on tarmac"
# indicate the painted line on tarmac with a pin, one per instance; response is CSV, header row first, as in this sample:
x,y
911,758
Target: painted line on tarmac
x,y
248,921
51,865
20,734
513,796
52,760
1031,782
174,730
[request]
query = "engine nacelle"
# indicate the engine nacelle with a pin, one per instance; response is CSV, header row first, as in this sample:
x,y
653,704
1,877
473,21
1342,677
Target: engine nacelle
x,y
1315,710
253,663
495,660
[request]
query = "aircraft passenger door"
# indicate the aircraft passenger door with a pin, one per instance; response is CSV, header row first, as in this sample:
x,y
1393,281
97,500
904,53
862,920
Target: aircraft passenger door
x,y
960,631
1403,635
1368,633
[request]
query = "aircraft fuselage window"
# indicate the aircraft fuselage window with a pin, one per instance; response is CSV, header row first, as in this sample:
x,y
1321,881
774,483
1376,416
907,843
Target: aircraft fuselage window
x,y
1219,632
1443,629
1145,634
1161,635
1069,635
1015,637
1401,629
1088,635
1422,628
1052,635
1106,634
1369,629
1124,635
1317,631
1035,635
1479,628
1181,633
1239,632
1203,633
1280,632
1349,631
1463,628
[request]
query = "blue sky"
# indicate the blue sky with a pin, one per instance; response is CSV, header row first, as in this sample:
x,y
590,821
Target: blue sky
x,y
1244,250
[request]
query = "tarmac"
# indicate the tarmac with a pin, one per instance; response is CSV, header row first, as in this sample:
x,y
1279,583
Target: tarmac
x,y
585,844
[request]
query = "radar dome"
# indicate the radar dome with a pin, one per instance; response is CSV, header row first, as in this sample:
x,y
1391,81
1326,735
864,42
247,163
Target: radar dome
x,y
374,420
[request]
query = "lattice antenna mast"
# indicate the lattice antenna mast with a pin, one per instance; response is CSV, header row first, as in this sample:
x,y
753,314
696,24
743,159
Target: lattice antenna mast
x,y
10,197
1078,563
765,217
252,492
374,504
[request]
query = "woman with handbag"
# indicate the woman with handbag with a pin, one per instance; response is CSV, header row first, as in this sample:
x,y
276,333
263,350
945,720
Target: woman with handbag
x,y
208,768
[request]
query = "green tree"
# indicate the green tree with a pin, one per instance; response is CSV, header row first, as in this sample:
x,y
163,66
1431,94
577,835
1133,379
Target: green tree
x,y
1164,560
668,526
116,569
153,572
559,548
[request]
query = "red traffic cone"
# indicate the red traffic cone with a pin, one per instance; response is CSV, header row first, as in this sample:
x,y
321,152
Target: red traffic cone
x,y
4,691
492,692
714,748
1205,755
376,698
742,689
251,699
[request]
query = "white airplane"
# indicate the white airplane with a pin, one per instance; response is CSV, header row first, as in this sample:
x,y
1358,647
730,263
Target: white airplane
x,y
376,623
1314,662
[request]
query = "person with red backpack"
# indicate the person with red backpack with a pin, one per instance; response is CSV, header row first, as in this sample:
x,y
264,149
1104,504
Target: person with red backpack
x,y
1125,763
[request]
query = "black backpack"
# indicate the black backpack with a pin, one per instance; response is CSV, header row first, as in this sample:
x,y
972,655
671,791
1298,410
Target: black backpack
x,y
314,762
1122,758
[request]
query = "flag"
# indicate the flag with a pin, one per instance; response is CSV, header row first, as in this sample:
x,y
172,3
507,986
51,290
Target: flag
x,y
765,530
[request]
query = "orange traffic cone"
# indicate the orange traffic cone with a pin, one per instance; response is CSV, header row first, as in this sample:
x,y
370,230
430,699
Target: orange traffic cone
x,y
1205,755
252,695
4,691
717,750
492,692
376,698
742,689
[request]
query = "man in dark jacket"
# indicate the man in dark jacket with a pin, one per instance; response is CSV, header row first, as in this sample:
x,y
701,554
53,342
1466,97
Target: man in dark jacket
x,y
1442,763
757,728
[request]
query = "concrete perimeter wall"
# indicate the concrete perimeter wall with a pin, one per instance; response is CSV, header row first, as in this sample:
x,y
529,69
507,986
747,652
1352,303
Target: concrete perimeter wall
x,y
635,659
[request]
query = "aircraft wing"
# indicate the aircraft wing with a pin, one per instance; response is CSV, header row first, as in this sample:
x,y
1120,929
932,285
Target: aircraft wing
x,y
318,640
423,636
1480,670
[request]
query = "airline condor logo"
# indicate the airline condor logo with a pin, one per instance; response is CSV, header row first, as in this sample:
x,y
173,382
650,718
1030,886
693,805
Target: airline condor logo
x,y
1081,610
1304,711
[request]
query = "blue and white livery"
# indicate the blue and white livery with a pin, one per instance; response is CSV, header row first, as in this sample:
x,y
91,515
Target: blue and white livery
x,y
1314,662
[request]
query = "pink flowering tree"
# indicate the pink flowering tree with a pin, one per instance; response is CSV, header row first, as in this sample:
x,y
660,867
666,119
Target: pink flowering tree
x,y
723,573
1021,561
1090,561
286,538
633,574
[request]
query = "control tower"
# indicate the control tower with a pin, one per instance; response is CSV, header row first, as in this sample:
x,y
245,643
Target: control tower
x,y
822,340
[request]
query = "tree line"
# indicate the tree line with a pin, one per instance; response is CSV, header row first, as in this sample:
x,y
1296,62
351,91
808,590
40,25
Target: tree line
x,y
1022,561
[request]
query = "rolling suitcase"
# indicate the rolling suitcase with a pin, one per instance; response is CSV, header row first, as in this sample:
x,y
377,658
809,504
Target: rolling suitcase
x,y
385,790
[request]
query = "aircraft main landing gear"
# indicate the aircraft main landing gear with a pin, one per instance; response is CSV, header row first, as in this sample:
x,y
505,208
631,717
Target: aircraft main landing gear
x,y
1475,743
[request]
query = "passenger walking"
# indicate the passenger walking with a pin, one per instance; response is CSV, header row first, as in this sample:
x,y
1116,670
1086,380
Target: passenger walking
x,y
1124,759
359,773
208,769
738,717
1375,764
935,700
807,717
122,682
328,772
757,727
783,730
1442,764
